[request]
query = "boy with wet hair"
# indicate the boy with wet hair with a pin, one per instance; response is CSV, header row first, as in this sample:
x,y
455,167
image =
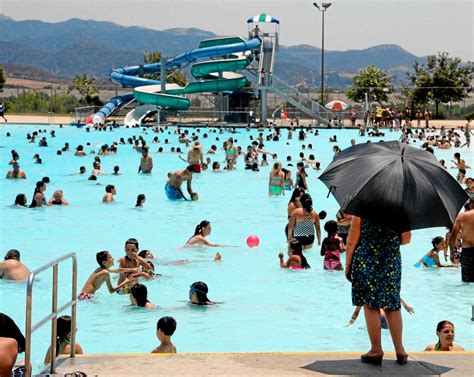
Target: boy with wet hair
x,y
102,275
165,328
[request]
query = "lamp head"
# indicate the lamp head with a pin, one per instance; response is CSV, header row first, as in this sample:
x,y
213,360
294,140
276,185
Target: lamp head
x,y
316,5
326,5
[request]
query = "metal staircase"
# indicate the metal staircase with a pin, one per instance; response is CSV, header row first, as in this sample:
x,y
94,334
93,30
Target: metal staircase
x,y
268,82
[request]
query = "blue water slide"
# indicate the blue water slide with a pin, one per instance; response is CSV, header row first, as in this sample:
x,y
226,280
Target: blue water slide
x,y
128,76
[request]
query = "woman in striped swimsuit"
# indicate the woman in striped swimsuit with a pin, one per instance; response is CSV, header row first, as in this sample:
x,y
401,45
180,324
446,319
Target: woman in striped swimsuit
x,y
303,222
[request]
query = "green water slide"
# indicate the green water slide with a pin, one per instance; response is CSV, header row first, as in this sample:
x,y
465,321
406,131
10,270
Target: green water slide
x,y
212,76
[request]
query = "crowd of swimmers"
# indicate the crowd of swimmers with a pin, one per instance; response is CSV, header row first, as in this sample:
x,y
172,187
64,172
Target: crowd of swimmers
x,y
302,229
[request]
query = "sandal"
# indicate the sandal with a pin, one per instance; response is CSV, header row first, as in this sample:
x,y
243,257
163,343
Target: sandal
x,y
375,360
402,359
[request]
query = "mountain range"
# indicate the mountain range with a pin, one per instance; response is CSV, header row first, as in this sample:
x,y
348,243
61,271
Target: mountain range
x,y
75,46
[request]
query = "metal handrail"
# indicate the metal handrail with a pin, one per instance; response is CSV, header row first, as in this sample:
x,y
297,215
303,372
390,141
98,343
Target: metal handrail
x,y
53,316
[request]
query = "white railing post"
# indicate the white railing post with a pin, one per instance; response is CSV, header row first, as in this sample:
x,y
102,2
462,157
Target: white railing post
x,y
54,320
30,328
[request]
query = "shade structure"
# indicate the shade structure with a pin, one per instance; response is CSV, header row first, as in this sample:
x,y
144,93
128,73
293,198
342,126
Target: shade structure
x,y
395,185
336,105
262,18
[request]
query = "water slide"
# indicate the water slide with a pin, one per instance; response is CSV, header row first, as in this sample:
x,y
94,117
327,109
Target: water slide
x,y
234,54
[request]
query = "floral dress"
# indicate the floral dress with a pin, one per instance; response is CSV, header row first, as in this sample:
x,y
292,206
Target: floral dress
x,y
377,268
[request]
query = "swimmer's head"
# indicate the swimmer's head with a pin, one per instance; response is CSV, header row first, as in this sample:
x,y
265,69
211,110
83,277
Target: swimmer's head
x,y
277,166
82,169
437,241
46,180
198,293
194,196
104,259
58,194
322,215
132,241
166,325
110,189
12,254
145,254
63,330
20,200
140,200
139,294
92,178
330,227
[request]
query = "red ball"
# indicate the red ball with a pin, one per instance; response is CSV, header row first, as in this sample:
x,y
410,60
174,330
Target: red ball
x,y
253,241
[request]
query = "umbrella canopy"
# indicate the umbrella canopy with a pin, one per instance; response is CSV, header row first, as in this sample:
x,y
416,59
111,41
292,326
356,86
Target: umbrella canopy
x,y
336,105
395,185
262,18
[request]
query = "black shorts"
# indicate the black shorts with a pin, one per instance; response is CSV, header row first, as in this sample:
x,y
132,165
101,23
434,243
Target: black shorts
x,y
467,264
305,240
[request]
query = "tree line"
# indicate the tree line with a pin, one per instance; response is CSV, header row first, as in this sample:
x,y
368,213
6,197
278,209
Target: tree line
x,y
440,80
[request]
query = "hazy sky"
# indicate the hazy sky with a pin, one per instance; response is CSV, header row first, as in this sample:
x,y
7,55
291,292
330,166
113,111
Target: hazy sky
x,y
420,26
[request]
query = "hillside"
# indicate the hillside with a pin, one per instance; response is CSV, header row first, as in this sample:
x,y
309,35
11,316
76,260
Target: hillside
x,y
75,46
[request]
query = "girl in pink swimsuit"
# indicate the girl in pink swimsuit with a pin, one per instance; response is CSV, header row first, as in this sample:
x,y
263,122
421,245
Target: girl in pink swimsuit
x,y
296,260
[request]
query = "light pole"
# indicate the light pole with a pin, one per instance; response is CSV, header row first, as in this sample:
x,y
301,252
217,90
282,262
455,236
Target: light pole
x,y
322,9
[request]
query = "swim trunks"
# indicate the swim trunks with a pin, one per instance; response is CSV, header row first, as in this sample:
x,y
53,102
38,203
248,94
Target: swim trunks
x,y
172,193
275,190
197,168
85,296
467,264
305,240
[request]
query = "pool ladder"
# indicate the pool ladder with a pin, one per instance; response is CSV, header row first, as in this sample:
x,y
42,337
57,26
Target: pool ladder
x,y
53,316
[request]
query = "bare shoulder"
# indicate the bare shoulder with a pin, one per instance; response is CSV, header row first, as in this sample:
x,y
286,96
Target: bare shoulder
x,y
431,347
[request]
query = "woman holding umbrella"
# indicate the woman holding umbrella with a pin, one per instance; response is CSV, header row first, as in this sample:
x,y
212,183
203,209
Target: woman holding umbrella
x,y
374,267
390,188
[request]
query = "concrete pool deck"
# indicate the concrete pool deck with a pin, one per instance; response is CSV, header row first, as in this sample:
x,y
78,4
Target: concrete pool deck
x,y
267,364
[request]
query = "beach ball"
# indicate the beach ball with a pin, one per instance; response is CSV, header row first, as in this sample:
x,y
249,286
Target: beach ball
x,y
253,241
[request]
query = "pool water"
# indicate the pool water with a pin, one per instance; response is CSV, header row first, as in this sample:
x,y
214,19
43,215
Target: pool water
x,y
264,308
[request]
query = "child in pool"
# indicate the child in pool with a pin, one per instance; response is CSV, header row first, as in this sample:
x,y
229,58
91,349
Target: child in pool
x,y
296,259
139,297
198,294
384,323
102,275
431,259
289,185
165,328
332,247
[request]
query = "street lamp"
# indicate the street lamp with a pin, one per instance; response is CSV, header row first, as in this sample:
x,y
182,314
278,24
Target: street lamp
x,y
322,9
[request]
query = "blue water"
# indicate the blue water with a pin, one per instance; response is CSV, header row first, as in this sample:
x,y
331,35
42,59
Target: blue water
x,y
265,308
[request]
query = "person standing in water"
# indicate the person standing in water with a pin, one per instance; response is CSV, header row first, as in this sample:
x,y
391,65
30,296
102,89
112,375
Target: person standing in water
x,y
195,157
303,222
12,268
276,183
465,224
176,179
146,162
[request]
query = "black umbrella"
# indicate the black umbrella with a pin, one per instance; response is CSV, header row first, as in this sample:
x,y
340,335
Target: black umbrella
x,y
395,185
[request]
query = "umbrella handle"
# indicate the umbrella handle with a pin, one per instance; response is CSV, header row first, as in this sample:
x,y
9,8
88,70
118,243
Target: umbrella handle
x,y
330,189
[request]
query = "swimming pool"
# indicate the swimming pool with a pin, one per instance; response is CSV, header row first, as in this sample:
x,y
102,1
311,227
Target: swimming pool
x,y
265,308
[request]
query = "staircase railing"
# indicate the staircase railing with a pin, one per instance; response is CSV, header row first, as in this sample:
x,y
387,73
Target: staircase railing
x,y
303,99
53,316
